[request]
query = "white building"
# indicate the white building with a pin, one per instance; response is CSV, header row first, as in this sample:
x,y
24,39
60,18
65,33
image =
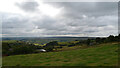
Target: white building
x,y
42,50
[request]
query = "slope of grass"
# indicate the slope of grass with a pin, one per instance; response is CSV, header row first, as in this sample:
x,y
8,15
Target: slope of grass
x,y
104,55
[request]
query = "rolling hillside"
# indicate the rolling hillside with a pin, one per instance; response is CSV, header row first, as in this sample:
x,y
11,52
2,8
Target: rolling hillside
x,y
101,55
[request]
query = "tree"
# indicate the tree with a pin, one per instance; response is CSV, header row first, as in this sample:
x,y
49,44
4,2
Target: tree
x,y
103,40
116,38
88,41
98,40
119,37
23,49
53,43
50,46
111,38
16,48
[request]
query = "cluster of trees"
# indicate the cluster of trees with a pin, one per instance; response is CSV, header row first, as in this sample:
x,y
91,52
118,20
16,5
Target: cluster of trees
x,y
21,47
99,40
50,46
17,48
54,45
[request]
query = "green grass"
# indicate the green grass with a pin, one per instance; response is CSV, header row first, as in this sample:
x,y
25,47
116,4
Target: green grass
x,y
9,41
102,55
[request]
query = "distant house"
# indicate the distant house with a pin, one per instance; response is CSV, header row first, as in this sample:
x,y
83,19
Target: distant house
x,y
42,50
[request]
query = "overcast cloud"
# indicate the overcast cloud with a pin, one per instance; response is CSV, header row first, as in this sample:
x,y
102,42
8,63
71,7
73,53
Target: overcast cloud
x,y
60,19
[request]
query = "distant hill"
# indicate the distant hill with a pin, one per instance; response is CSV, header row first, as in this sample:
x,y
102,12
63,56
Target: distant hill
x,y
44,40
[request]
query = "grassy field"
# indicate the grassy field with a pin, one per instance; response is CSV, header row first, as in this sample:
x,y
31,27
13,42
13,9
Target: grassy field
x,y
101,55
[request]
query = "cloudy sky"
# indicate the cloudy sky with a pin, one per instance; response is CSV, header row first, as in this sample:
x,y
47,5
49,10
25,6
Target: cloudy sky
x,y
45,19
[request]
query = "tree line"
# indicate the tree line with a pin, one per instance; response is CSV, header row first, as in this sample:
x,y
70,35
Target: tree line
x,y
89,42
20,47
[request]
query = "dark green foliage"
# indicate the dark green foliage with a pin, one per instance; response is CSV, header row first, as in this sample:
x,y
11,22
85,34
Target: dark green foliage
x,y
81,42
39,47
88,41
119,37
103,40
111,38
62,45
53,43
70,45
15,48
116,38
98,40
23,49
50,46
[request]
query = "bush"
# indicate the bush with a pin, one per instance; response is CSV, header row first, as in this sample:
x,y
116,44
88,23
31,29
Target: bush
x,y
50,46
23,49
17,48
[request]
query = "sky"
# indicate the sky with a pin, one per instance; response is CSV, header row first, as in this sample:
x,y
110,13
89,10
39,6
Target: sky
x,y
45,19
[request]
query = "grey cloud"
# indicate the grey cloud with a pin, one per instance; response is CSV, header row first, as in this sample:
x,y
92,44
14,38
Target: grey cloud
x,y
28,6
14,22
49,24
88,8
100,20
16,25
